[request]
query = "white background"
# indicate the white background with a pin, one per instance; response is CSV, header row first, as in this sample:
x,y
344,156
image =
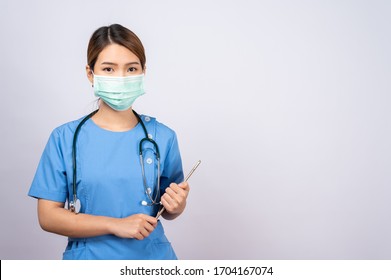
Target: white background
x,y
287,104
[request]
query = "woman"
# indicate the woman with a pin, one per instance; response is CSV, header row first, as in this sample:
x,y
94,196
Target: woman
x,y
95,164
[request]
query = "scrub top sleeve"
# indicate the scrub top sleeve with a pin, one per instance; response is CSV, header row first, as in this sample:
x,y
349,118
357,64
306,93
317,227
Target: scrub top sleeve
x,y
173,171
50,178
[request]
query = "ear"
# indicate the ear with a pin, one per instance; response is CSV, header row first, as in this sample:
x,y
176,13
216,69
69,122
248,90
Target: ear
x,y
145,70
90,75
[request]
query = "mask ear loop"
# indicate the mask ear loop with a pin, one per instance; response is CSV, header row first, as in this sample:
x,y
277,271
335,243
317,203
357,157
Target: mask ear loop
x,y
92,85
93,77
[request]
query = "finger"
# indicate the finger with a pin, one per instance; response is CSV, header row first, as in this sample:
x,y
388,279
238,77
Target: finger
x,y
174,187
166,200
144,232
178,196
172,192
149,227
170,203
167,203
185,186
139,236
176,199
181,186
149,219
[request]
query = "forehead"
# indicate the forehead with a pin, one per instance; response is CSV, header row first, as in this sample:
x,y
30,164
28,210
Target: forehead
x,y
118,54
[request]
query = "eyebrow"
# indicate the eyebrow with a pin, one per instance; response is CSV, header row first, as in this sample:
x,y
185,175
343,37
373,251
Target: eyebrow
x,y
112,63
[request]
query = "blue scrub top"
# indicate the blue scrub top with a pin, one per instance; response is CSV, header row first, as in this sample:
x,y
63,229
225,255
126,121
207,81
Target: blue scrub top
x,y
109,183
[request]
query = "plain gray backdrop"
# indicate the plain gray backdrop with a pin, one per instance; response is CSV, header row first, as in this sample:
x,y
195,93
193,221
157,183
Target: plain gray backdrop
x,y
287,104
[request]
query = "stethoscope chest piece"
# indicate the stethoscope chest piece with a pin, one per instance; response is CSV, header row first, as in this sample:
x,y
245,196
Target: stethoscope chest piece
x,y
75,206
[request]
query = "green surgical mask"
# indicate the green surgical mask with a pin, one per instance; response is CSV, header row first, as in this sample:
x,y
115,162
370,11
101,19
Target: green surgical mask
x,y
119,92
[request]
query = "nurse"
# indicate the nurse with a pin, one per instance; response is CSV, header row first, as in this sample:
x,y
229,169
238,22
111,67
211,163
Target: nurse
x,y
119,195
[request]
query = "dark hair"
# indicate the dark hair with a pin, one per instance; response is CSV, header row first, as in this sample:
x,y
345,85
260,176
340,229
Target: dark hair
x,y
114,34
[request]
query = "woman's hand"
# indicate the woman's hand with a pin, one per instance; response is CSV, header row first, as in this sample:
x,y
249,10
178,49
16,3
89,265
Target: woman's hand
x,y
137,226
54,218
174,199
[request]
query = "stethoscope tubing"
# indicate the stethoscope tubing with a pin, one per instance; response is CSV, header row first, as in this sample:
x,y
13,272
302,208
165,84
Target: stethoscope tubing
x,y
73,203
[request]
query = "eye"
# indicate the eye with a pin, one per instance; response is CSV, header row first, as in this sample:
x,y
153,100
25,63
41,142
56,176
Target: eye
x,y
108,70
132,69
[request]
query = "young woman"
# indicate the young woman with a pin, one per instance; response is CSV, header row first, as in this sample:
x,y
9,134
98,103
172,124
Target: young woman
x,y
115,168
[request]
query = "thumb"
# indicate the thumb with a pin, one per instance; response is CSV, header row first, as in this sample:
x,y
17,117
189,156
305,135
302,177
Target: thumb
x,y
184,185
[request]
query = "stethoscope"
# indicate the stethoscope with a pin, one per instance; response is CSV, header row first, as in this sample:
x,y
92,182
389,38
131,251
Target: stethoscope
x,y
75,204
